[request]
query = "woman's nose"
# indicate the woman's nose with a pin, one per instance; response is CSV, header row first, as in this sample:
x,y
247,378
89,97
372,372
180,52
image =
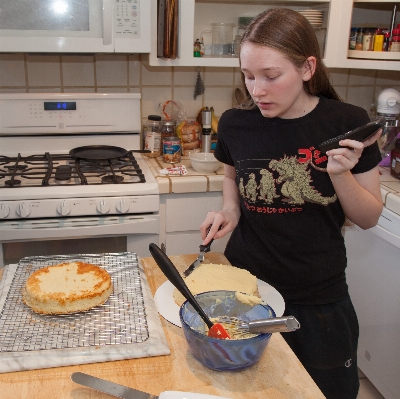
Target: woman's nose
x,y
258,89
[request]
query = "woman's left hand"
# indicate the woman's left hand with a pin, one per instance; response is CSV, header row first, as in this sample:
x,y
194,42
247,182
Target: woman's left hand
x,y
341,160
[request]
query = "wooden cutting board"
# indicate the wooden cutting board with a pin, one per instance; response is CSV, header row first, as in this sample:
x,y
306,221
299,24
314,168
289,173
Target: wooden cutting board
x,y
278,375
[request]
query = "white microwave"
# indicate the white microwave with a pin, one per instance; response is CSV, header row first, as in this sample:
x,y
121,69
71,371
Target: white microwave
x,y
75,26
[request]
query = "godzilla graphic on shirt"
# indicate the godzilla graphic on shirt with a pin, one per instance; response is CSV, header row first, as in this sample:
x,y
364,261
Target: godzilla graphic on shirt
x,y
289,176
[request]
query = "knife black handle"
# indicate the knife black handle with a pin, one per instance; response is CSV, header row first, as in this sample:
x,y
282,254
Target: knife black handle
x,y
207,248
172,274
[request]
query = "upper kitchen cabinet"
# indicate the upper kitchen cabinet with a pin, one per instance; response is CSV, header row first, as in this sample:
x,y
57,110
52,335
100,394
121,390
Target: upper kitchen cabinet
x,y
75,26
195,19
360,14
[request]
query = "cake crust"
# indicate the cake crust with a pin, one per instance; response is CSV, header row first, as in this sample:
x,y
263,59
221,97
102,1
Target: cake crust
x,y
212,277
67,288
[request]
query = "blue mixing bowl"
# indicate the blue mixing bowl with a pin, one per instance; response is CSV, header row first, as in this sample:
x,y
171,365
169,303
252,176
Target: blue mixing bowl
x,y
221,354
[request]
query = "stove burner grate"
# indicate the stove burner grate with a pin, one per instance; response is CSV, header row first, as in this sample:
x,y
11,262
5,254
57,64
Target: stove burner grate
x,y
62,169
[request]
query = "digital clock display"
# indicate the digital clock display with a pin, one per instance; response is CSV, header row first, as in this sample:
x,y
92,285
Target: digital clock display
x,y
59,106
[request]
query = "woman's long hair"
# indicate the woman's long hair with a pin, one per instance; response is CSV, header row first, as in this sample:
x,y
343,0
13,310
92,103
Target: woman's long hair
x,y
290,33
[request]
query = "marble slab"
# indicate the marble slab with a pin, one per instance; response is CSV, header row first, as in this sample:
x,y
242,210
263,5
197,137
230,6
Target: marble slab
x,y
155,345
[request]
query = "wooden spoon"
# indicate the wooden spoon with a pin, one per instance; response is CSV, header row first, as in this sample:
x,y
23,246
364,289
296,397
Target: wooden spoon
x,y
216,330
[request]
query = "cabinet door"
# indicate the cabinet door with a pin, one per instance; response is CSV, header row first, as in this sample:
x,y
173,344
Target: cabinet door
x,y
185,212
363,14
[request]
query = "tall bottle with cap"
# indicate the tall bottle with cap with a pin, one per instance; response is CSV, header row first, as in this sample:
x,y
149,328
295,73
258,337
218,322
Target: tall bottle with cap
x,y
206,129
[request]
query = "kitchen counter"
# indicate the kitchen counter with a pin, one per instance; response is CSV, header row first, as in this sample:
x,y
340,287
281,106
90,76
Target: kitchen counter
x,y
390,190
278,375
193,182
196,182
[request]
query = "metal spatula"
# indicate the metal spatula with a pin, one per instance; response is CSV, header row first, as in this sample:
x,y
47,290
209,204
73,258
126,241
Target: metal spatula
x,y
200,259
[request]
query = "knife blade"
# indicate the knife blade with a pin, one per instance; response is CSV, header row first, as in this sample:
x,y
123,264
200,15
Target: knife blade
x,y
121,391
200,259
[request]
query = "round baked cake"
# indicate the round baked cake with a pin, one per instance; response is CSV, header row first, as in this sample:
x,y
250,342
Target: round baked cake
x,y
213,277
67,288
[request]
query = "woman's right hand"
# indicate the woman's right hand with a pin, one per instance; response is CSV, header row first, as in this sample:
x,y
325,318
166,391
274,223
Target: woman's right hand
x,y
225,220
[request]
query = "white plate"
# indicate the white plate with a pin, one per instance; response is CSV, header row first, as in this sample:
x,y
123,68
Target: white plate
x,y
168,308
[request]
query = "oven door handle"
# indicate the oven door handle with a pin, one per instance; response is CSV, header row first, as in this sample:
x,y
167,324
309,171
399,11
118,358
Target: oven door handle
x,y
79,227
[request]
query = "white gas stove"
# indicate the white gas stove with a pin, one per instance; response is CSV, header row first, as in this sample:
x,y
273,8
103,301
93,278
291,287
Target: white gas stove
x,y
71,167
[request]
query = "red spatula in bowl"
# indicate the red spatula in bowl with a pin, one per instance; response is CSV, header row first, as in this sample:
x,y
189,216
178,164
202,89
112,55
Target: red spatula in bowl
x,y
216,330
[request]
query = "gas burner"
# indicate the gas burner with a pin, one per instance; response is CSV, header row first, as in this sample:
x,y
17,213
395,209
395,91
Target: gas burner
x,y
12,183
112,179
63,174
15,167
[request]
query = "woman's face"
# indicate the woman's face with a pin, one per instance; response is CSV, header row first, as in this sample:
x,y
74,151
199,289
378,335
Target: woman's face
x,y
274,83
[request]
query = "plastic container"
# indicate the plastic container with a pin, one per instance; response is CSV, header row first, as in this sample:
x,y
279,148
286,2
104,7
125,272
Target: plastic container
x,y
223,354
222,39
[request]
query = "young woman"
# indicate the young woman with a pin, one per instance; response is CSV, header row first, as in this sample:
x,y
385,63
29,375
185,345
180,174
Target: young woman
x,y
285,202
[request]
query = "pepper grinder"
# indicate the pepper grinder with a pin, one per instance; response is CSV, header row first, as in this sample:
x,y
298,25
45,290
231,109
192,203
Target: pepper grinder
x,y
206,130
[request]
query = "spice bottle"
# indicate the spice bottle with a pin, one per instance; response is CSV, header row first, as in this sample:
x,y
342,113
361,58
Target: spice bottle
x,y
395,45
353,39
386,41
359,39
196,48
378,40
152,140
367,40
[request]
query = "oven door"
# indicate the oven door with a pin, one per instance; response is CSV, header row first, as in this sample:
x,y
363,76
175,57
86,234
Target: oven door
x,y
40,237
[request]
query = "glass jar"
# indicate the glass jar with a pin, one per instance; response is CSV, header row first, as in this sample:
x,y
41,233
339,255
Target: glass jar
x,y
168,128
152,136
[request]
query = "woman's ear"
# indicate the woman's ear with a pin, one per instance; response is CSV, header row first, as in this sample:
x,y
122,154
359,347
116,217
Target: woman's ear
x,y
309,68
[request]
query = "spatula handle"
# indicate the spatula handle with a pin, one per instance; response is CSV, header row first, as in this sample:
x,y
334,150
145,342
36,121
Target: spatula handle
x,y
172,274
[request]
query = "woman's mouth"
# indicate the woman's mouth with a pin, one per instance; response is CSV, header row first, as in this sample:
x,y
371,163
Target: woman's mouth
x,y
264,106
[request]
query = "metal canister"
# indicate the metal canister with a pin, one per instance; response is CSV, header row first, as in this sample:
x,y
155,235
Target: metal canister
x,y
172,149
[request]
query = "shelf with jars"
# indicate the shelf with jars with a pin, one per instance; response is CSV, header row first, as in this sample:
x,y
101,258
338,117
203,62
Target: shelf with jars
x,y
201,20
368,16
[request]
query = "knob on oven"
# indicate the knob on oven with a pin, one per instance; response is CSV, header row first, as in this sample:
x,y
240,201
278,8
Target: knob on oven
x,y
123,205
64,208
23,209
103,206
4,211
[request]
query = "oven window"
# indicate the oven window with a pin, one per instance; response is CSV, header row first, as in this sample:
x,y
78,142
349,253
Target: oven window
x,y
14,251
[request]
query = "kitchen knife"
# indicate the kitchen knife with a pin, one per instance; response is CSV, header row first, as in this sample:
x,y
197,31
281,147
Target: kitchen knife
x,y
123,392
200,259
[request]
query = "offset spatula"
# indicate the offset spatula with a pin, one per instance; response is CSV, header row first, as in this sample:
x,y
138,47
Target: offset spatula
x,y
200,259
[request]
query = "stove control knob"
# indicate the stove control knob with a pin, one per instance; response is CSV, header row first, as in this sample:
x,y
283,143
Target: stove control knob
x,y
4,211
103,206
23,209
123,205
64,208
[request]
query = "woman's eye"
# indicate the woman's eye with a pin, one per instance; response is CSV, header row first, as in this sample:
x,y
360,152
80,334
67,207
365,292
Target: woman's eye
x,y
271,77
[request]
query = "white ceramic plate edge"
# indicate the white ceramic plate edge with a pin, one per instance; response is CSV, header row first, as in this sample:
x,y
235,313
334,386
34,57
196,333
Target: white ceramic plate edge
x,y
168,308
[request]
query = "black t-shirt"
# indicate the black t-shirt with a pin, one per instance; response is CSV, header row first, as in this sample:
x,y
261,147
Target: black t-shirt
x,y
289,233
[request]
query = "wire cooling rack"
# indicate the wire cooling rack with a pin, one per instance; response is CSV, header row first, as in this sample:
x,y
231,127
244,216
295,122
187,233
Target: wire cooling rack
x,y
121,320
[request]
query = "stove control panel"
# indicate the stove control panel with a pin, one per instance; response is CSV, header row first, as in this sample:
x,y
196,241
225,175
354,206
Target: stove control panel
x,y
56,208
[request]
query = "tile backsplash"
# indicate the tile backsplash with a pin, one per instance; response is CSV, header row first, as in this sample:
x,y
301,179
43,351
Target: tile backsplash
x,y
22,72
